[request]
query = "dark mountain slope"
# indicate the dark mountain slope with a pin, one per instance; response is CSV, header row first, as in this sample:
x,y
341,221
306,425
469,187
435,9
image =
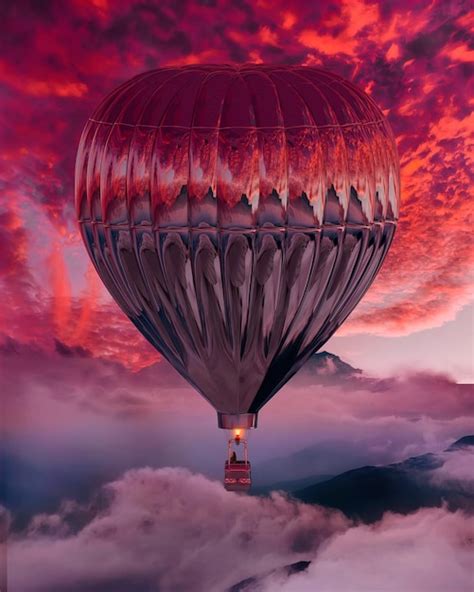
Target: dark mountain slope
x,y
368,492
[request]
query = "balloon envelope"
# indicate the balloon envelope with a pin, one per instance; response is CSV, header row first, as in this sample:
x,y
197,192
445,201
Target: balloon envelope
x,y
237,215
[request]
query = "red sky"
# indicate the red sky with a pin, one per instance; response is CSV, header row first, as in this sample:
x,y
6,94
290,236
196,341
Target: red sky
x,y
59,59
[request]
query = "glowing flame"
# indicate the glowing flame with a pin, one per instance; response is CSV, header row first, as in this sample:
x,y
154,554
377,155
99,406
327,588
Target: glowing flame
x,y
238,433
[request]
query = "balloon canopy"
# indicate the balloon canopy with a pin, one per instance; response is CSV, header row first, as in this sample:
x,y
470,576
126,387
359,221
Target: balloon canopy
x,y
237,215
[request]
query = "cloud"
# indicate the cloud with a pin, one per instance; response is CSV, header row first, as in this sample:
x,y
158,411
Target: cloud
x,y
69,376
329,404
66,404
456,471
166,530
412,394
411,59
430,550
71,373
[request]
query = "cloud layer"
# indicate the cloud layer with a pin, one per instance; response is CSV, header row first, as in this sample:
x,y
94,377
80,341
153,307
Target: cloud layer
x,y
68,405
170,530
430,550
167,530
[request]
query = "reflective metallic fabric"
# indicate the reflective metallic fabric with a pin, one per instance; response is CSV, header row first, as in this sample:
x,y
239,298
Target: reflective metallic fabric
x,y
237,215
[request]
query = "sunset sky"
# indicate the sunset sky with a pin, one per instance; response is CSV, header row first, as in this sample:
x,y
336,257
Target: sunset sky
x,y
412,58
81,383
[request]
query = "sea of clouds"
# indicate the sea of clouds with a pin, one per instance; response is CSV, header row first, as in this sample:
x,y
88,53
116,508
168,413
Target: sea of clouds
x,y
163,530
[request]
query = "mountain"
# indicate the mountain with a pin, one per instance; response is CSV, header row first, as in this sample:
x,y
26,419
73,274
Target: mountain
x,y
464,442
326,368
326,458
256,584
27,488
368,492
290,486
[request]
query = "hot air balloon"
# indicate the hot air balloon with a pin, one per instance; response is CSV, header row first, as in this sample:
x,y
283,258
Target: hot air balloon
x,y
237,215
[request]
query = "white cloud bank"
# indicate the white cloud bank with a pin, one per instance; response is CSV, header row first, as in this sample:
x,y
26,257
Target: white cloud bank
x,y
429,551
170,530
167,530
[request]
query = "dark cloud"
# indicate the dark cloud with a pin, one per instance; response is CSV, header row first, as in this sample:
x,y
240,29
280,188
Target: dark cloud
x,y
69,352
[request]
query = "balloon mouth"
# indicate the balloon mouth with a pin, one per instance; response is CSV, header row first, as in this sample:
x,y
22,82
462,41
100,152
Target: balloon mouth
x,y
230,421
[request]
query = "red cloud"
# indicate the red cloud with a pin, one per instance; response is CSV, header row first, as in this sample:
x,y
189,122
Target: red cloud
x,y
413,59
38,87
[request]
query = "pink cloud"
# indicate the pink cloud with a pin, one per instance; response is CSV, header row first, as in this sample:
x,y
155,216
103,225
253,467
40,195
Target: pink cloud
x,y
430,550
167,530
456,470
56,398
173,530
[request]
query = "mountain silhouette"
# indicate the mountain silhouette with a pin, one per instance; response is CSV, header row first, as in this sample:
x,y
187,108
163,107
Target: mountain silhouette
x,y
368,492
254,584
464,442
327,368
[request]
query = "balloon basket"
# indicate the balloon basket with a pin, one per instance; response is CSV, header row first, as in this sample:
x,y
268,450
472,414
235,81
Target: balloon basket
x,y
237,473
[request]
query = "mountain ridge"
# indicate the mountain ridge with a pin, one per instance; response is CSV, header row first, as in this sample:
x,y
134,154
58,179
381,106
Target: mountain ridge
x,y
366,493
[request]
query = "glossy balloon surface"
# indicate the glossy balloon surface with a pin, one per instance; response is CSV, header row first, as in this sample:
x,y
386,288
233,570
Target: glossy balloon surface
x,y
237,215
